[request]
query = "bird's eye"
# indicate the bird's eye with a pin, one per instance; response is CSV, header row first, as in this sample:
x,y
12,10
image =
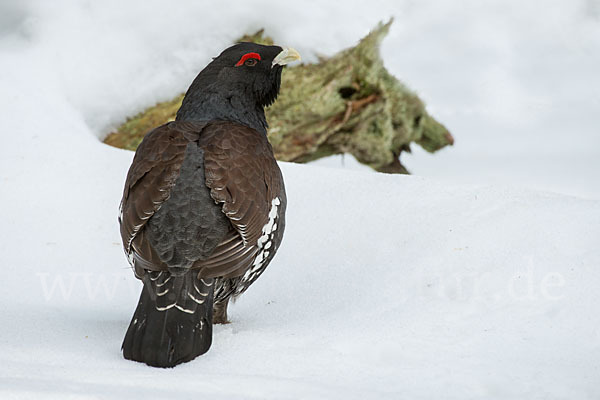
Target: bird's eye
x,y
249,59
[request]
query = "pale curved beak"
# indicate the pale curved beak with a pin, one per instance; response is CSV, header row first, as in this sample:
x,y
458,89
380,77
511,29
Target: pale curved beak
x,y
286,56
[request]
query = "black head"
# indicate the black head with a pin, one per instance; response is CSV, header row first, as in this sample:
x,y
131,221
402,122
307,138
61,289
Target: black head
x,y
242,80
248,68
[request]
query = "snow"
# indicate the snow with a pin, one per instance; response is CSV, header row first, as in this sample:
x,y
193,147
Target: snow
x,y
468,281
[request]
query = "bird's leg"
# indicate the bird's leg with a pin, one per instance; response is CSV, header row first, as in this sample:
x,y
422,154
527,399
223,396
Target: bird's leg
x,y
220,312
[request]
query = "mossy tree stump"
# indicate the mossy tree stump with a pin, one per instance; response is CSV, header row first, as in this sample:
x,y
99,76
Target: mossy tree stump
x,y
348,103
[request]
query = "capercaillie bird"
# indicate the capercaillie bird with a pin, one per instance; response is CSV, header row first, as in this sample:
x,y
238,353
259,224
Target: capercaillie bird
x,y
203,208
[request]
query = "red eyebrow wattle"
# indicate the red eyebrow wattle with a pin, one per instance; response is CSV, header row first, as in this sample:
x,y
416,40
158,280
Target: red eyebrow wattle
x,y
247,56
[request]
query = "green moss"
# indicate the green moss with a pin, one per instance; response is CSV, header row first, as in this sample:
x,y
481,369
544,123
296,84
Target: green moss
x,y
348,103
130,134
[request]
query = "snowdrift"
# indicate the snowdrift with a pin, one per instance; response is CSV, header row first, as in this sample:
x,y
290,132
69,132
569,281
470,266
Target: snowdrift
x,y
384,285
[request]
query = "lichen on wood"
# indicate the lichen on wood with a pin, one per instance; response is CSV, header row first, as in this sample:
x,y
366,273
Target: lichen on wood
x,y
348,103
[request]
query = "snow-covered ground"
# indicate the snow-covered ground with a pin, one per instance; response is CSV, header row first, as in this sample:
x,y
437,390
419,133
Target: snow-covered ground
x,y
465,281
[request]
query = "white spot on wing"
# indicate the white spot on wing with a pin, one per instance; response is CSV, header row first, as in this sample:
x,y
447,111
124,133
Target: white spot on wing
x,y
271,225
264,242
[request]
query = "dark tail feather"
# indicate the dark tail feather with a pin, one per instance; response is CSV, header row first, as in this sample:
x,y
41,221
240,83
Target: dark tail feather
x,y
181,331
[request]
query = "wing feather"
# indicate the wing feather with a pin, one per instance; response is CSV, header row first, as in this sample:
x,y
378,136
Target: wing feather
x,y
240,172
244,178
151,177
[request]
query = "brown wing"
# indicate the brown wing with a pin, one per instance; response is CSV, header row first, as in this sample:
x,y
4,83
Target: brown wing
x,y
152,174
243,175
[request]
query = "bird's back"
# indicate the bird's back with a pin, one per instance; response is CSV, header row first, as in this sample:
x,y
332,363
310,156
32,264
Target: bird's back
x,y
198,195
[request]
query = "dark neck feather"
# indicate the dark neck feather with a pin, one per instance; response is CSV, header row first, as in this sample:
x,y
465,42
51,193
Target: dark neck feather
x,y
206,104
